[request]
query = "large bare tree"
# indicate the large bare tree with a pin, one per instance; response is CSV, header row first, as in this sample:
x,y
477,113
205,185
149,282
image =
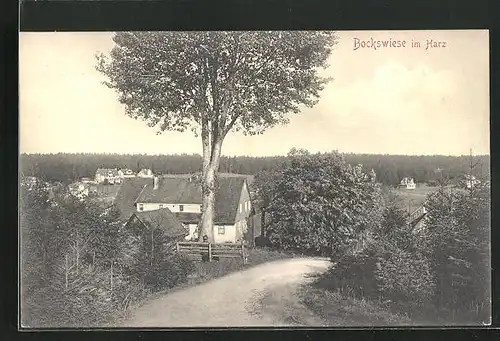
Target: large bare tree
x,y
214,83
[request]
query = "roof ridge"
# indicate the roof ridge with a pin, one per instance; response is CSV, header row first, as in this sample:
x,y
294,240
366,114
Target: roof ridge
x,y
135,201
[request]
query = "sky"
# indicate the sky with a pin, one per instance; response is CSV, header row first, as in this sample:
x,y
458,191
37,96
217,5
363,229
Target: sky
x,y
393,100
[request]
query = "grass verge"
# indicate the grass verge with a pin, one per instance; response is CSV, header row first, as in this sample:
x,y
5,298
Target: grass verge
x,y
338,310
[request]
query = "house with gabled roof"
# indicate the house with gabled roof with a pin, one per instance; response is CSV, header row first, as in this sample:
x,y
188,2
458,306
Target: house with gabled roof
x,y
109,175
145,173
162,219
408,183
182,195
127,195
126,173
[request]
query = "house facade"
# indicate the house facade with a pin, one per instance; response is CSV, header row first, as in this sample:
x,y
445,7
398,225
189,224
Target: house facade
x,y
111,176
182,196
408,183
126,173
145,173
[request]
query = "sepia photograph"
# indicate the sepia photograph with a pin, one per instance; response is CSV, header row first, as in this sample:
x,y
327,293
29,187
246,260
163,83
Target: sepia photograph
x,y
214,179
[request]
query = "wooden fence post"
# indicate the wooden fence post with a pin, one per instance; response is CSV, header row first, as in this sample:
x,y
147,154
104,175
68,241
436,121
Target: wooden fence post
x,y
178,247
209,252
243,253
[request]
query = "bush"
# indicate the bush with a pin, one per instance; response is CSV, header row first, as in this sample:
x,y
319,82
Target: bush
x,y
169,272
354,275
405,277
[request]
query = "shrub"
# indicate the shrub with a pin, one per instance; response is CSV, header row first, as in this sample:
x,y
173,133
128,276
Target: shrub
x,y
318,203
405,277
354,274
172,270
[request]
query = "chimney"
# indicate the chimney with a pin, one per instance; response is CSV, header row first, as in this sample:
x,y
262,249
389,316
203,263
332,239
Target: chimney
x,y
156,181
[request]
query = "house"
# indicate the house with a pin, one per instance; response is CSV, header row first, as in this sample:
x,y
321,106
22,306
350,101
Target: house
x,y
183,197
407,183
86,180
127,194
145,173
106,175
162,219
126,173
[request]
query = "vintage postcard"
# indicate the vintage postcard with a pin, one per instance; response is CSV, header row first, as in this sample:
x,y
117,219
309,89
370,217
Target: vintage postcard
x,y
254,179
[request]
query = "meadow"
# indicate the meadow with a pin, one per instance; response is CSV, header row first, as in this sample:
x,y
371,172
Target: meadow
x,y
410,199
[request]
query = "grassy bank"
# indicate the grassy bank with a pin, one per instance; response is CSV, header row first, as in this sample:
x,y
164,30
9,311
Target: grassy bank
x,y
344,308
341,310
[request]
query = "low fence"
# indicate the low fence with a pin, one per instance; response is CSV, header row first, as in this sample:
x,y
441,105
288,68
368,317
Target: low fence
x,y
210,251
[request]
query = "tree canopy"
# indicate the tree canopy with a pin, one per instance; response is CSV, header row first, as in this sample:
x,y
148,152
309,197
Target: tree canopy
x,y
319,203
248,81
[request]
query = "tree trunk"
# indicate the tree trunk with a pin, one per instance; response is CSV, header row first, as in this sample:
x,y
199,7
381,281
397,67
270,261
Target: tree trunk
x,y
211,160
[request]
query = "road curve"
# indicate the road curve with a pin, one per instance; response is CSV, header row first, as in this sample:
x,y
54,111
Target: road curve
x,y
264,295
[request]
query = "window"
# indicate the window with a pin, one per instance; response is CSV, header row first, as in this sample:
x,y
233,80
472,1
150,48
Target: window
x,y
181,208
221,230
141,207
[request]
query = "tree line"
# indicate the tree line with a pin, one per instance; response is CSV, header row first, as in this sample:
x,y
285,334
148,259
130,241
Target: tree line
x,y
319,204
390,169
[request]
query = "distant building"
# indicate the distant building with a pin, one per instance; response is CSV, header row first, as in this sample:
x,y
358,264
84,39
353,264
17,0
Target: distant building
x,y
86,180
145,173
111,176
407,183
126,173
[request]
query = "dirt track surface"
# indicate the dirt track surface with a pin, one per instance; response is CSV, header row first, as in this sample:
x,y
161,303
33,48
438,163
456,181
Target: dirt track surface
x,y
265,295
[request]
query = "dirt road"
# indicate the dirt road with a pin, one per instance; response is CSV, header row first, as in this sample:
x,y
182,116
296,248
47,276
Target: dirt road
x,y
265,295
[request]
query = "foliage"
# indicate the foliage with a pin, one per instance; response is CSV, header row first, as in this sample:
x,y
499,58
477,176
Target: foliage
x,y
75,270
456,241
439,273
318,203
405,277
151,258
246,80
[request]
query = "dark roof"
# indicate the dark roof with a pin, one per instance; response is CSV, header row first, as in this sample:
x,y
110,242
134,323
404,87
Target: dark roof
x,y
180,190
105,171
188,217
128,193
164,219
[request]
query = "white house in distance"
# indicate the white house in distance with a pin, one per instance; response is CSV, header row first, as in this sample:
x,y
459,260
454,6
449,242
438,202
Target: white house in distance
x,y
145,173
110,175
126,173
182,196
407,183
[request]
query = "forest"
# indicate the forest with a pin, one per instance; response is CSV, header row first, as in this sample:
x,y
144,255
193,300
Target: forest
x,y
390,169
